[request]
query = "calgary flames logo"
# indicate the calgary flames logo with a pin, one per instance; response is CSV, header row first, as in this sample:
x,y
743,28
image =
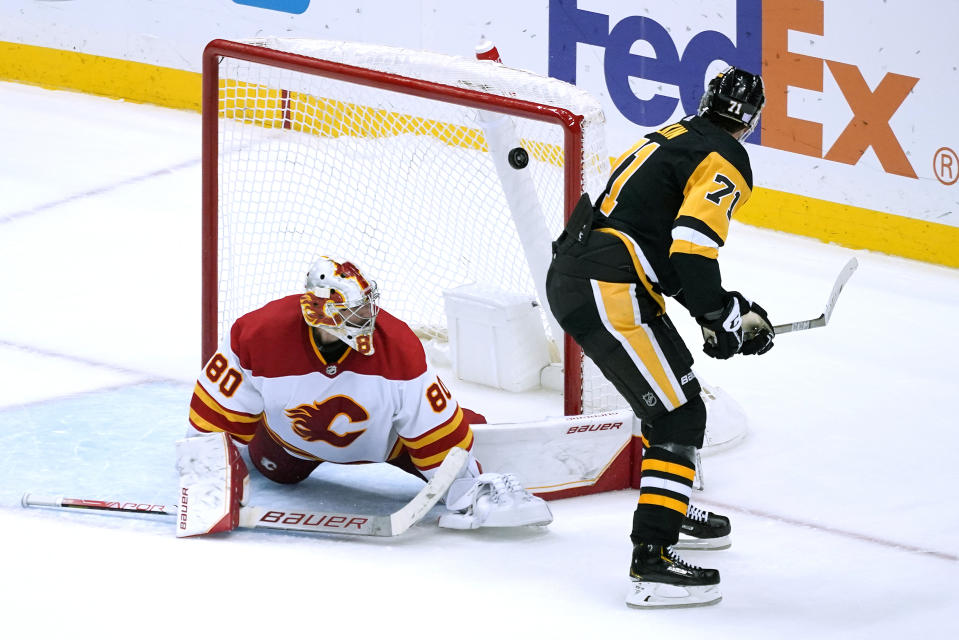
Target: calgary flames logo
x,y
316,311
314,422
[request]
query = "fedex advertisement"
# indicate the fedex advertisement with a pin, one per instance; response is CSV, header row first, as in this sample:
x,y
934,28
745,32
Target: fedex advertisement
x,y
851,107
860,93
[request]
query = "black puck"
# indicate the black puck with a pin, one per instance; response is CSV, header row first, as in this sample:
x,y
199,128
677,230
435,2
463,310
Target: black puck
x,y
518,158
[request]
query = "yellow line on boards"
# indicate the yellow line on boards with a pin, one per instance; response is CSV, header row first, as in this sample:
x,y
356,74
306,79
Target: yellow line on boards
x,y
101,76
852,227
845,225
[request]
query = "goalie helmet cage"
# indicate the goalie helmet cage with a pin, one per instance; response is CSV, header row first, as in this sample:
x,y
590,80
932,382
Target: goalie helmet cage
x,y
382,156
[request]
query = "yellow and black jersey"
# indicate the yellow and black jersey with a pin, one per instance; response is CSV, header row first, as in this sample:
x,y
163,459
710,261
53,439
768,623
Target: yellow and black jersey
x,y
672,196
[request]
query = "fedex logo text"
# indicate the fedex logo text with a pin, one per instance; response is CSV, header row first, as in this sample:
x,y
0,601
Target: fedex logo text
x,y
569,25
286,6
762,31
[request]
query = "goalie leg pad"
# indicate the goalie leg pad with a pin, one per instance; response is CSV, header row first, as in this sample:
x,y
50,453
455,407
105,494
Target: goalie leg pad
x,y
492,500
214,484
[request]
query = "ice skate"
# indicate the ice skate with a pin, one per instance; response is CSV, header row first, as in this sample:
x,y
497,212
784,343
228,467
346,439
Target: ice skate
x,y
703,530
661,580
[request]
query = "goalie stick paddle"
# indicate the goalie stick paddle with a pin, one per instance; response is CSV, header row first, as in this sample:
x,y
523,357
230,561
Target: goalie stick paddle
x,y
294,519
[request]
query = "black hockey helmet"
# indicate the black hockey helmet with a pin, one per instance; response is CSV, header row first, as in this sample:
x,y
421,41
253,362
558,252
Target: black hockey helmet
x,y
736,97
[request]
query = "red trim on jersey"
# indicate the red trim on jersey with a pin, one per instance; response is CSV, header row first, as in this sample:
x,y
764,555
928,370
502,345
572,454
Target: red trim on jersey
x,y
206,415
397,449
434,461
428,450
274,341
451,433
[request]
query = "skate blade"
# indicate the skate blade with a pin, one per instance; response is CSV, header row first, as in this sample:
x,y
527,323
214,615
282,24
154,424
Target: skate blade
x,y
703,544
657,595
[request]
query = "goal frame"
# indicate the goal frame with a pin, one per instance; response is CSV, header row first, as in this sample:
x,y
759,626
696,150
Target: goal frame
x,y
217,49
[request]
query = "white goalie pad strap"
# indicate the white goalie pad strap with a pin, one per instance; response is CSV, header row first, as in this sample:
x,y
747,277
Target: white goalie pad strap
x,y
460,494
213,484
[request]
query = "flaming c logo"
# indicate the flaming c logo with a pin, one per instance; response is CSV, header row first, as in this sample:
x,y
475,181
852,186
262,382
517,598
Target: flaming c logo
x,y
315,308
313,422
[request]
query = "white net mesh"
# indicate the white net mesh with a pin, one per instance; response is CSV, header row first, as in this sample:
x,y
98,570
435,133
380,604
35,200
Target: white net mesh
x,y
403,186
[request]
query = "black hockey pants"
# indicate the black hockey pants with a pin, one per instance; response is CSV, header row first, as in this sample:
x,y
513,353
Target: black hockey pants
x,y
597,293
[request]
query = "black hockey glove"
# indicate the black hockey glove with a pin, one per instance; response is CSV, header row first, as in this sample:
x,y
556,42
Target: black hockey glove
x,y
723,328
758,331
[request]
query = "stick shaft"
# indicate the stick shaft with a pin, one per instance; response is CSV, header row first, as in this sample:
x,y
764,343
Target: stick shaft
x,y
292,519
110,506
801,325
250,517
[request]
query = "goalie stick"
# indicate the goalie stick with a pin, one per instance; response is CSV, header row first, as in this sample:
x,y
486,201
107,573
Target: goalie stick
x,y
295,519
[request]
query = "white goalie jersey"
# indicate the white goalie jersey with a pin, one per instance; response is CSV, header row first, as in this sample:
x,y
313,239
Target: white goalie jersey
x,y
269,374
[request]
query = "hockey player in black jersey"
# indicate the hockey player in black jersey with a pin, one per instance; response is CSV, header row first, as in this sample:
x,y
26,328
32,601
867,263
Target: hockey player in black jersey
x,y
655,232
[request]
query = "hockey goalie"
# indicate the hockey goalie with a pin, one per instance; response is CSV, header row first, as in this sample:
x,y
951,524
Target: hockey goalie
x,y
327,376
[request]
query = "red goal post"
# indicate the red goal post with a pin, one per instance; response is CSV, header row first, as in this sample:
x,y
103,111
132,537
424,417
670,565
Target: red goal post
x,y
294,138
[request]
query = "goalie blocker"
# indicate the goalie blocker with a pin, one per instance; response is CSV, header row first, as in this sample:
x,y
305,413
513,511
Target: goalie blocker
x,y
214,484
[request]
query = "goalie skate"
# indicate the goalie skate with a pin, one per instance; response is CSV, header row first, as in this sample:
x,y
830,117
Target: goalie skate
x,y
661,580
493,500
702,530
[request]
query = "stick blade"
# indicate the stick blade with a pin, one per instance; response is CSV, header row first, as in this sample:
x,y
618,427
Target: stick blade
x,y
841,280
848,269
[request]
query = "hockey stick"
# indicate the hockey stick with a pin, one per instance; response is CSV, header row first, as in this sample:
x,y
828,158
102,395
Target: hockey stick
x,y
291,519
823,319
752,322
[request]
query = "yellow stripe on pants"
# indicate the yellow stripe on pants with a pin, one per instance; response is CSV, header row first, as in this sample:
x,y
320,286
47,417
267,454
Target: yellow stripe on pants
x,y
618,303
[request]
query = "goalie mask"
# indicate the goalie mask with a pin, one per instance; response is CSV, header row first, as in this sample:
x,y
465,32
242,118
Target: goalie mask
x,y
735,96
342,302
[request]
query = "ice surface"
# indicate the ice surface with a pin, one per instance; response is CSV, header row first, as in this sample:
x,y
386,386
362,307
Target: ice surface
x,y
842,496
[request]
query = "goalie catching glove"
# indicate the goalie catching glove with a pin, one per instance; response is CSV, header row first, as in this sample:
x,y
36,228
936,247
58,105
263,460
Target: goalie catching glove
x,y
492,500
740,326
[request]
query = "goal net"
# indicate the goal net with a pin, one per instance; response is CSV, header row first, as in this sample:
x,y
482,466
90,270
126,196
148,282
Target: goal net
x,y
400,162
